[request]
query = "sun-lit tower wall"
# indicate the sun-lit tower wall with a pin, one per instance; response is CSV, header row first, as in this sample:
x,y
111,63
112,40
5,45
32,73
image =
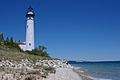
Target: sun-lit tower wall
x,y
30,29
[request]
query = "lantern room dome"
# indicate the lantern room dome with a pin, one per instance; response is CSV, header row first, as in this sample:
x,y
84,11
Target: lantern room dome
x,y
30,12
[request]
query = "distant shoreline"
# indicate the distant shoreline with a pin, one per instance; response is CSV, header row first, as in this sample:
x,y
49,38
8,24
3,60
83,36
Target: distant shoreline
x,y
77,62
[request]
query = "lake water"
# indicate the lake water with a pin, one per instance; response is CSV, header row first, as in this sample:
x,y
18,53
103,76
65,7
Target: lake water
x,y
100,70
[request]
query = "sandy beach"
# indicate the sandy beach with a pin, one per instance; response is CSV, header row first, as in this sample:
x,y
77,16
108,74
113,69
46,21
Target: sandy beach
x,y
66,74
62,71
82,75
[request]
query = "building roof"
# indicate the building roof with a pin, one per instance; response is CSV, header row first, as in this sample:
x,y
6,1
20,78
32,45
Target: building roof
x,y
20,43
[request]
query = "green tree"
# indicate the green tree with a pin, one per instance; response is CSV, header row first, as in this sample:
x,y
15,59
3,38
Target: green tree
x,y
42,48
7,41
18,40
1,36
11,42
40,51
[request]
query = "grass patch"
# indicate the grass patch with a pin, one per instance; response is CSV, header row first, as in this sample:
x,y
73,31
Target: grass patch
x,y
15,55
30,78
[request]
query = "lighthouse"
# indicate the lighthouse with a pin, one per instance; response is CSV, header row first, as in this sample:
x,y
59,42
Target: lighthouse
x,y
30,29
28,45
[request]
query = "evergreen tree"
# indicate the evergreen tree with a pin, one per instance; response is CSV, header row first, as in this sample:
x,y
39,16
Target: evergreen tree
x,y
42,48
11,42
7,41
1,36
18,40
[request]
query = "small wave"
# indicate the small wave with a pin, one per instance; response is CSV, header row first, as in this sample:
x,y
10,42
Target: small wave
x,y
96,78
77,67
80,69
101,79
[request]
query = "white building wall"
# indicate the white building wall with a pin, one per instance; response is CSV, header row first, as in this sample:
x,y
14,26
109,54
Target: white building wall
x,y
23,47
30,34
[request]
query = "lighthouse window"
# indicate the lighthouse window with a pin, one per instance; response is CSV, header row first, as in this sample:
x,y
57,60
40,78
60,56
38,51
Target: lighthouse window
x,y
30,17
29,44
27,26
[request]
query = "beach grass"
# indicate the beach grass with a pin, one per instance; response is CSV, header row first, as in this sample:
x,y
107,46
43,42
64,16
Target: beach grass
x,y
15,55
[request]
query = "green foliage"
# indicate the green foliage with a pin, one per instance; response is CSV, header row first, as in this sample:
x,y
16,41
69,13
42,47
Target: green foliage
x,y
1,36
50,69
45,69
29,78
1,68
9,43
40,51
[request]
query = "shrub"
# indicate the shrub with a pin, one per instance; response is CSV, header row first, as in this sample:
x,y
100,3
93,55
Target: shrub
x,y
28,78
50,69
39,51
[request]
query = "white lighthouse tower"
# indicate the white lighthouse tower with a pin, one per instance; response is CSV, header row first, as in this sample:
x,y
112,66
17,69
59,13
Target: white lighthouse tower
x,y
30,29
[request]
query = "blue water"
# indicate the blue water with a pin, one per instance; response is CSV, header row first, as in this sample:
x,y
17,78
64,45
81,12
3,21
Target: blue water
x,y
104,70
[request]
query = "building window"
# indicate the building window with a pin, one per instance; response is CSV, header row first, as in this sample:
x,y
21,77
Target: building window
x,y
27,26
29,44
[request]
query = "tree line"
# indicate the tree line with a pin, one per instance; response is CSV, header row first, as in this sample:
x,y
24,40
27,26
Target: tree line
x,y
10,43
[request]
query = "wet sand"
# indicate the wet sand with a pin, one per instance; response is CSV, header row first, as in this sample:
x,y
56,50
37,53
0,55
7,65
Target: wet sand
x,y
82,75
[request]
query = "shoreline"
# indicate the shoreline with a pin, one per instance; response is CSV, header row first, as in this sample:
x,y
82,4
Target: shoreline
x,y
68,74
64,74
60,70
82,75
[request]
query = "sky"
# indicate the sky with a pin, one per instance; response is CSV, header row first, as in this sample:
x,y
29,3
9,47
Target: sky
x,y
70,29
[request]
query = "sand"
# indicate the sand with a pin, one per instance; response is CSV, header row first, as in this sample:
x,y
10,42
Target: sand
x,y
64,74
67,74
82,75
